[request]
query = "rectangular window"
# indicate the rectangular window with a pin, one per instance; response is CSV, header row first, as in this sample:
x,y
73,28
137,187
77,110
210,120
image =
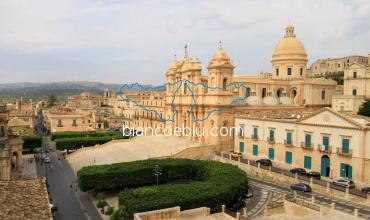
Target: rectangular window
x,y
241,147
2,131
271,153
277,71
59,123
288,157
307,162
241,131
255,132
325,142
345,145
255,150
346,170
323,94
354,75
308,140
289,71
289,137
354,91
272,135
301,71
74,123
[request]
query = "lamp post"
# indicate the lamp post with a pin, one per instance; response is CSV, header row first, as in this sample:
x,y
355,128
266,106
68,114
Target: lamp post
x,y
157,172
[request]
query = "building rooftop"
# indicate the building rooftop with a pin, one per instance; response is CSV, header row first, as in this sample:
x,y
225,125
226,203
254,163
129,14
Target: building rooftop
x,y
24,199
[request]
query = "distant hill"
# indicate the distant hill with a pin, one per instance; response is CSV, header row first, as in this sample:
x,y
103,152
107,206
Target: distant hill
x,y
9,92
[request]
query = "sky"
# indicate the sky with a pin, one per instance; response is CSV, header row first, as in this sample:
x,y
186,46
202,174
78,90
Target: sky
x,y
126,41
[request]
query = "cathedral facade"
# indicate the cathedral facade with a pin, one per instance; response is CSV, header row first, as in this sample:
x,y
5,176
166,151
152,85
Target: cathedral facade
x,y
202,102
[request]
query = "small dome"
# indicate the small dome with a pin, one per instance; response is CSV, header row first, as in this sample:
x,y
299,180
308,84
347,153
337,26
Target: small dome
x,y
220,58
289,46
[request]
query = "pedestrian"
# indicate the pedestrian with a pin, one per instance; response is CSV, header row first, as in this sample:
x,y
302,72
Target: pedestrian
x,y
71,187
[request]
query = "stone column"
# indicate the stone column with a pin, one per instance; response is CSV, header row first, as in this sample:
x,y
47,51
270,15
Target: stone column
x,y
238,215
223,208
355,213
347,193
333,205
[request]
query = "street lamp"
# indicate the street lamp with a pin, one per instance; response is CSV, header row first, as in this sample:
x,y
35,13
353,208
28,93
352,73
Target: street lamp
x,y
157,172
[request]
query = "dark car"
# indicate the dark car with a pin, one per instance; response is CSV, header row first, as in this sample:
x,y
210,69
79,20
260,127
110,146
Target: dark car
x,y
299,171
314,174
344,182
236,206
264,162
302,187
366,189
248,194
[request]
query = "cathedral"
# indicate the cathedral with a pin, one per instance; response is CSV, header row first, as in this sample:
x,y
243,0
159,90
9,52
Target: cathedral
x,y
205,101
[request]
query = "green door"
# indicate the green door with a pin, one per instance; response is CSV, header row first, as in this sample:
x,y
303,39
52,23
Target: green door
x,y
255,132
271,153
325,142
346,170
288,157
325,166
241,147
345,145
308,140
307,162
247,92
272,135
255,149
289,137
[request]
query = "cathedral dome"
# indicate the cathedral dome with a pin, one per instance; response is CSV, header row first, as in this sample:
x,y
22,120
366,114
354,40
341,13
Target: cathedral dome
x,y
220,58
289,47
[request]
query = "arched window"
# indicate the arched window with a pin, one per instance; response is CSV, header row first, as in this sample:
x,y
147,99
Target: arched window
x,y
224,83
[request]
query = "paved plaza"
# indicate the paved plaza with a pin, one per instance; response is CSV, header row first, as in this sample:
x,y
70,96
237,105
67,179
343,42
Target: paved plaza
x,y
138,148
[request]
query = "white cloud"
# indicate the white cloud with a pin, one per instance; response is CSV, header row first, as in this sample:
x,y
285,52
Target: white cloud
x,y
152,31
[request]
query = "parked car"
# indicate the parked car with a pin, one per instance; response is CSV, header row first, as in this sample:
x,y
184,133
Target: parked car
x,y
344,182
236,206
314,174
366,189
299,171
236,154
264,162
248,193
47,159
302,187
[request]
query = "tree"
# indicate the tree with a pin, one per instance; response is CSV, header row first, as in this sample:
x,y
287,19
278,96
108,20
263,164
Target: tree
x,y
52,99
365,108
119,214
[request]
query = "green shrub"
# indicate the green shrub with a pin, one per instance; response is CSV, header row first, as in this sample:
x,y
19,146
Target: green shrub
x,y
74,134
101,204
109,211
101,196
31,142
207,183
119,214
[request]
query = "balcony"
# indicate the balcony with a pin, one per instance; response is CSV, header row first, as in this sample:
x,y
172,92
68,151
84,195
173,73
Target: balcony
x,y
347,153
271,140
324,149
288,144
254,137
307,146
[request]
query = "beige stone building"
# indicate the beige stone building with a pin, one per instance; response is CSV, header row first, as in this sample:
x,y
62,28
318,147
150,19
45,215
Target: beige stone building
x,y
10,148
322,67
356,88
325,141
21,115
86,100
286,88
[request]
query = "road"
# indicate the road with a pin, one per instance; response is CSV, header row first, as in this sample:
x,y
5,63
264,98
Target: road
x,y
72,204
341,205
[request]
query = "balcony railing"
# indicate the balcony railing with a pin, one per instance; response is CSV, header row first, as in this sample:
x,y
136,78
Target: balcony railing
x,y
307,146
347,153
254,137
324,149
271,140
288,144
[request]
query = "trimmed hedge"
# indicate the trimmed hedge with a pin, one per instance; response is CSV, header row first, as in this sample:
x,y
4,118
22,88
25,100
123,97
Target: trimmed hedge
x,y
75,134
78,142
211,183
31,142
